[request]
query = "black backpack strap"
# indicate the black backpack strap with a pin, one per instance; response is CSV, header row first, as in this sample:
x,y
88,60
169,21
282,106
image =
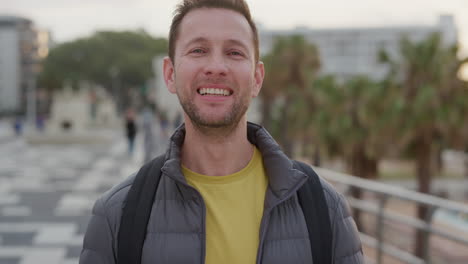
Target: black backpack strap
x,y
315,209
136,212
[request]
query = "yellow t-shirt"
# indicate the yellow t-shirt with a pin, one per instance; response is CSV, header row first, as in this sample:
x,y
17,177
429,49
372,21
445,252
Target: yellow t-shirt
x,y
234,209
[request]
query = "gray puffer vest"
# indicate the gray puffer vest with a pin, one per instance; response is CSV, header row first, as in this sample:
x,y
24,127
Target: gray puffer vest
x,y
176,229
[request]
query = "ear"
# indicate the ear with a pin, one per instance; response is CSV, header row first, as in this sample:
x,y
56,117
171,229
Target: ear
x,y
258,78
169,74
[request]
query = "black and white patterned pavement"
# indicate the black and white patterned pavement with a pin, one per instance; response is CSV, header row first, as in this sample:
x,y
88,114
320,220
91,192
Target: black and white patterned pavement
x,y
47,192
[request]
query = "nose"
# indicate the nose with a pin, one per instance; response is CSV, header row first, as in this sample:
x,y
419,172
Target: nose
x,y
216,66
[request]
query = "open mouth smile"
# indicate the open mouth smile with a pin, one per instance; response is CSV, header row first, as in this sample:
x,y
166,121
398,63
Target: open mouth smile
x,y
214,91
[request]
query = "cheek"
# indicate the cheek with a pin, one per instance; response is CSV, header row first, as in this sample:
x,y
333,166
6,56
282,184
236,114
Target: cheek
x,y
246,74
186,70
250,76
189,67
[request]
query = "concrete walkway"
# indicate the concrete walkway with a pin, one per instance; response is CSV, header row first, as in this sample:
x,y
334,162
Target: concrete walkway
x,y
47,192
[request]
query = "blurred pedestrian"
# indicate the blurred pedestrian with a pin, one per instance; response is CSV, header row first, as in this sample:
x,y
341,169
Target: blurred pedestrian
x,y
164,124
18,126
149,145
40,123
131,129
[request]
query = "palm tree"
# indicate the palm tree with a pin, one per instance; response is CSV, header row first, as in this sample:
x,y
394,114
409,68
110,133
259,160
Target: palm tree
x,y
429,87
271,89
290,66
354,121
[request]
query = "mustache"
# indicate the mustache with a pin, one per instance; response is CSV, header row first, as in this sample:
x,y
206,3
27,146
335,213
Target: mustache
x,y
222,81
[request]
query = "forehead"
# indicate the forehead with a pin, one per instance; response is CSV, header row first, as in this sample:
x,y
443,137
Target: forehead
x,y
214,24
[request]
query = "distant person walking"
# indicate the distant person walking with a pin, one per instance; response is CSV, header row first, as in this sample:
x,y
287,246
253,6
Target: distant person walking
x,y
148,134
164,123
18,126
131,129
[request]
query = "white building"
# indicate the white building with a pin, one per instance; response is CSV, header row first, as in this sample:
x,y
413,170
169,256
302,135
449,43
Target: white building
x,y
21,49
353,51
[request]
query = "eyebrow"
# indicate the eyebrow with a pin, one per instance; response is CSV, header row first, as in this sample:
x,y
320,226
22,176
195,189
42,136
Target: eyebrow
x,y
205,40
196,40
238,43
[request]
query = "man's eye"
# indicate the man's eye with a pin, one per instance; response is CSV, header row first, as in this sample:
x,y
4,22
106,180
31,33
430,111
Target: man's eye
x,y
199,51
235,53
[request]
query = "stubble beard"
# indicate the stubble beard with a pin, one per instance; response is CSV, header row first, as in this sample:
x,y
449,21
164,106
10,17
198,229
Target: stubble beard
x,y
221,127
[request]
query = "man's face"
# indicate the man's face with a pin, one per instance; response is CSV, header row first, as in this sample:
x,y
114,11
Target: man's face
x,y
214,72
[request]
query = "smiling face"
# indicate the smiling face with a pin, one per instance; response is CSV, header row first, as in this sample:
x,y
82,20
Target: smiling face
x,y
214,72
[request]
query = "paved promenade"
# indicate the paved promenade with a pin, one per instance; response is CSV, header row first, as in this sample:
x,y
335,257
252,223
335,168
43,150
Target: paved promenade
x,y
47,192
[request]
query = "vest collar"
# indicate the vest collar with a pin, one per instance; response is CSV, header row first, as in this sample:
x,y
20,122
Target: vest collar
x,y
284,180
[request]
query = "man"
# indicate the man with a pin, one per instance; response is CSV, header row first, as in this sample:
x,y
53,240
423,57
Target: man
x,y
227,194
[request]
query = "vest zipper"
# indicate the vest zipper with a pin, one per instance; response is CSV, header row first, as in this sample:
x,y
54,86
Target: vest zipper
x,y
263,228
203,234
203,228
266,219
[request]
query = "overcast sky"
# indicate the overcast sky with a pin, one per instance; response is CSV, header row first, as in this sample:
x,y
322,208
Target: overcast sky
x,y
68,19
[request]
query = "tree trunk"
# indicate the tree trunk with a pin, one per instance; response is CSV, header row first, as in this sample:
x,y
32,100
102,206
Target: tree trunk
x,y
438,161
424,174
356,165
285,138
305,145
466,165
466,171
266,113
369,167
311,149
364,167
372,169
317,159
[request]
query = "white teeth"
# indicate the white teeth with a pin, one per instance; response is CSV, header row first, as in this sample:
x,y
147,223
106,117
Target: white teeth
x,y
214,91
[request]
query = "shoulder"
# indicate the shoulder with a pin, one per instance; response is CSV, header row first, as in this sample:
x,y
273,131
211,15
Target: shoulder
x,y
112,201
346,242
335,200
338,207
99,242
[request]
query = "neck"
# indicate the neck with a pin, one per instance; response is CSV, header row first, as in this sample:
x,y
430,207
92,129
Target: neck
x,y
216,151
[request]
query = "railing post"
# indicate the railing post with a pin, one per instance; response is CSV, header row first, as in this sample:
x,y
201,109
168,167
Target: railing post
x,y
426,234
380,226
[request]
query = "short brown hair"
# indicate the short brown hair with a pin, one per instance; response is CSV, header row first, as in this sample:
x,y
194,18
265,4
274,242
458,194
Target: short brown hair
x,y
186,6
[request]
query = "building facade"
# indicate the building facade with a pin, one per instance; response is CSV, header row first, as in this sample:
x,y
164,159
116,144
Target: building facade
x,y
22,47
353,51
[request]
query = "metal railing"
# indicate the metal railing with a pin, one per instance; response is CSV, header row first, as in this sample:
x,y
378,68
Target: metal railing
x,y
378,207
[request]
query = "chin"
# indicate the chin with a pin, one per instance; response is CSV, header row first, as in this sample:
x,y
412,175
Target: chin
x,y
215,123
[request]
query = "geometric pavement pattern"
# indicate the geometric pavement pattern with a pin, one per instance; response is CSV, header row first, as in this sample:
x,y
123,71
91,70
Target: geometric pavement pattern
x,y
47,193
